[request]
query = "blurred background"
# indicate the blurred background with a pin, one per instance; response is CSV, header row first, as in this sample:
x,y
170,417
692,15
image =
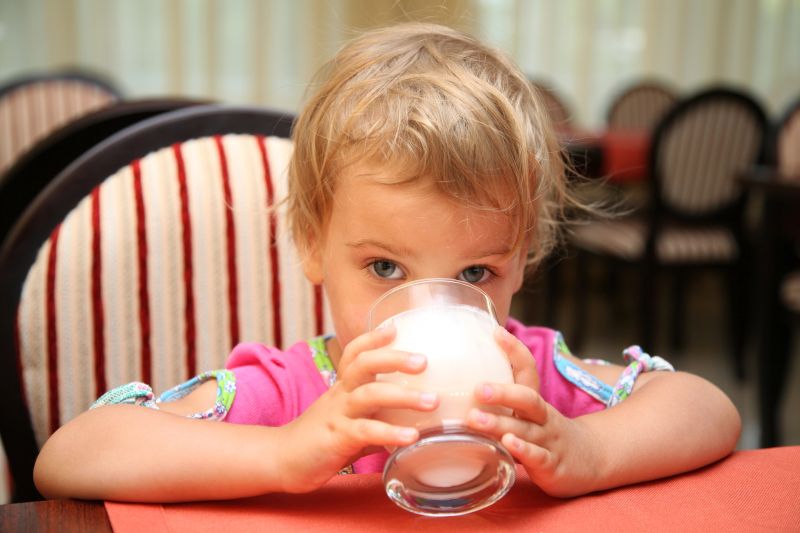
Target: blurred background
x,y
583,54
265,51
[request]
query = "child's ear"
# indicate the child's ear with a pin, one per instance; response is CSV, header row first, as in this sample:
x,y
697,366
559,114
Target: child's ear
x,y
312,262
522,267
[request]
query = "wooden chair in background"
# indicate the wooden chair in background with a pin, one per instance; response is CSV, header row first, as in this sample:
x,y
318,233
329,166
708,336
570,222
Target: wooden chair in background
x,y
42,162
694,218
148,259
32,106
557,107
640,105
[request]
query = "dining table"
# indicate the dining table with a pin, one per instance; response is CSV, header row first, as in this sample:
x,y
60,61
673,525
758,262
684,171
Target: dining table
x,y
749,490
618,156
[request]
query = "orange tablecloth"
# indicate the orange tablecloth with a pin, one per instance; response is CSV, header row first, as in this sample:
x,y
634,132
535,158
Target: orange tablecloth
x,y
756,490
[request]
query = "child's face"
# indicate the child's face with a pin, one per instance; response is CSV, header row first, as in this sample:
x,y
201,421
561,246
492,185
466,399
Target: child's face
x,y
379,236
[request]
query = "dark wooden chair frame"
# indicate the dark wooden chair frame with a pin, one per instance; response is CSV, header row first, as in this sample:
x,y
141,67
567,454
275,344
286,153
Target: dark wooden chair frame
x,y
34,227
29,175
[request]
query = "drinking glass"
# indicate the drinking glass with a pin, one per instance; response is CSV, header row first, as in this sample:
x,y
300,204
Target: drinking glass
x,y
451,470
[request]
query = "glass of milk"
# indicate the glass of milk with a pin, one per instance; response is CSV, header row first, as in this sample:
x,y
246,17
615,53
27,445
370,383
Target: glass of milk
x,y
450,470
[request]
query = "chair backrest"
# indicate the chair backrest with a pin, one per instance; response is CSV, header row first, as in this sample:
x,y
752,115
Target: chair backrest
x,y
32,171
33,106
788,142
640,106
559,111
698,150
147,259
787,156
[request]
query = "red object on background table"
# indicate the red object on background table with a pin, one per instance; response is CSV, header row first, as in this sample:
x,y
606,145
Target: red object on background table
x,y
756,490
625,155
619,156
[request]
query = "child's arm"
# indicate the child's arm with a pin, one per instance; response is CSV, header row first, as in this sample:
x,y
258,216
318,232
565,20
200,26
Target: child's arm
x,y
131,453
673,422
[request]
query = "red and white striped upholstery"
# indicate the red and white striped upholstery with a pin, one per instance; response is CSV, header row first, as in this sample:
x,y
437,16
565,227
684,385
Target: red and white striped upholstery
x,y
32,110
640,107
159,272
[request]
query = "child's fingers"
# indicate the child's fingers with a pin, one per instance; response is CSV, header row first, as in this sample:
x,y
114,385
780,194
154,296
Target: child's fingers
x,y
368,364
368,399
522,362
531,456
525,401
499,425
368,341
365,432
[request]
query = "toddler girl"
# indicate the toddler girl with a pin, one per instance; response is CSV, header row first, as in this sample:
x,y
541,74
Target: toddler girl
x,y
422,153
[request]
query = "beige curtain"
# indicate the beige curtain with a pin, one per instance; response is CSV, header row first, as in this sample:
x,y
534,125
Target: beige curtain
x,y
265,51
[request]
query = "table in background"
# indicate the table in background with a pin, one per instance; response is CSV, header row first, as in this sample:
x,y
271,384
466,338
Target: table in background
x,y
754,490
64,516
619,156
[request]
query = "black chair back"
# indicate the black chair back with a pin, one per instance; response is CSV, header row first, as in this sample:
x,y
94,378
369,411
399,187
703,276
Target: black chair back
x,y
50,217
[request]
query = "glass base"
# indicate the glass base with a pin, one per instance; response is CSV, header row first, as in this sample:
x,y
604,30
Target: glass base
x,y
449,471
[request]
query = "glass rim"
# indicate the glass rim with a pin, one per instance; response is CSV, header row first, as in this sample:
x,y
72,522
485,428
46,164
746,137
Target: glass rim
x,y
424,281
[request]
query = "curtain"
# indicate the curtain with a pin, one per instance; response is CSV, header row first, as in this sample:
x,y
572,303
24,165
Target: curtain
x,y
265,51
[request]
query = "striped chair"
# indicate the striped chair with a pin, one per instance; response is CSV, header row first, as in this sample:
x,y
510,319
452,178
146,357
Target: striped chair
x,y
148,259
696,204
780,241
640,106
33,106
33,170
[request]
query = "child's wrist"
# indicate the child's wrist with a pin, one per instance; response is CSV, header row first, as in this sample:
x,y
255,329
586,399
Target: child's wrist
x,y
600,460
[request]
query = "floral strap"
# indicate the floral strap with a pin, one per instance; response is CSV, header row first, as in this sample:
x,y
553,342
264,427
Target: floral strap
x,y
137,393
639,362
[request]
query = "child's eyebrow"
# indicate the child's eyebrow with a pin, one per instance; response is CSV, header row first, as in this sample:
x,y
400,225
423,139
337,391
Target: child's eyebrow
x,y
502,251
362,243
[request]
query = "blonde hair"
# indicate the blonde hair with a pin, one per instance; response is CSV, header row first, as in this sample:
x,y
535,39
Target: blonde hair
x,y
437,105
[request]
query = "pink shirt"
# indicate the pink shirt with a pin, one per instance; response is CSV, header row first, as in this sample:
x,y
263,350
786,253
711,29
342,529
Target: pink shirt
x,y
274,387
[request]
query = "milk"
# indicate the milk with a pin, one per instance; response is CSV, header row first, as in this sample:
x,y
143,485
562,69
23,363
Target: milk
x,y
459,344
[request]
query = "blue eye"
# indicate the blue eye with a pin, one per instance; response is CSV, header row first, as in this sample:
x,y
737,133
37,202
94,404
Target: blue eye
x,y
474,274
386,269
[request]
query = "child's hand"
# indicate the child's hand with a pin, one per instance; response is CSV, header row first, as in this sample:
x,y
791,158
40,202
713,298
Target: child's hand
x,y
339,427
557,452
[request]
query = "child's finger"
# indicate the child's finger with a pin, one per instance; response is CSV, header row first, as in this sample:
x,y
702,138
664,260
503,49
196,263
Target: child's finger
x,y
531,456
522,362
525,401
368,399
368,364
367,432
368,341
498,425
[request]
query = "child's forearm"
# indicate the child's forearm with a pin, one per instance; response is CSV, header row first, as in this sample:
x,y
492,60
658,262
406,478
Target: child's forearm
x,y
672,423
132,453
